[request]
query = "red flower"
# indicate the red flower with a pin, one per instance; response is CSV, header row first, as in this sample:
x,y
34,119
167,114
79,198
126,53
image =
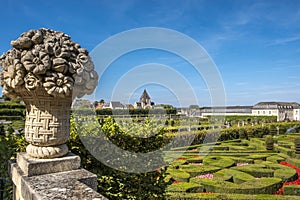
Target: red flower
x,y
296,182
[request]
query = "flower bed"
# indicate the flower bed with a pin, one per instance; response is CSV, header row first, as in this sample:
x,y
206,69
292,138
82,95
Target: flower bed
x,y
255,172
295,190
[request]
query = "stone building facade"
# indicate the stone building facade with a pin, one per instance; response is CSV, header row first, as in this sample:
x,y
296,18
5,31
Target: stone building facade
x,y
285,111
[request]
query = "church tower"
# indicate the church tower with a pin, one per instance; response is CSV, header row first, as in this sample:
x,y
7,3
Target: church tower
x,y
145,100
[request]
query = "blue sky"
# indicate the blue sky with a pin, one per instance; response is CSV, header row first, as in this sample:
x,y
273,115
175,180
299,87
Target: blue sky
x,y
254,44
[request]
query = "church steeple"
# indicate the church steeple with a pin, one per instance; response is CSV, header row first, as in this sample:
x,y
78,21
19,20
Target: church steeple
x,y
145,95
145,100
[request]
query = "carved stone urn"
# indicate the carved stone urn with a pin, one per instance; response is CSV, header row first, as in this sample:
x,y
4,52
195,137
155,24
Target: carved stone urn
x,y
47,70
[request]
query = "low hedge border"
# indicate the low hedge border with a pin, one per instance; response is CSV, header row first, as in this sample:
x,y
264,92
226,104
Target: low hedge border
x,y
275,159
238,176
291,190
256,170
195,170
178,175
287,175
185,187
208,196
254,186
218,161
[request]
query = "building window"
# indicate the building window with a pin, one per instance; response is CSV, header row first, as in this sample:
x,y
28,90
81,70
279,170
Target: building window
x,y
264,112
258,112
270,112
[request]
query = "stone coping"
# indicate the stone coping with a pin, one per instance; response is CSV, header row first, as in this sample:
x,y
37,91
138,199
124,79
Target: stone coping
x,y
76,184
33,166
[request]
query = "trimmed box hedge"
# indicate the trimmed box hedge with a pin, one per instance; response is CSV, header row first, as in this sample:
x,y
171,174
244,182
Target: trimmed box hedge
x,y
254,186
238,176
178,175
215,196
256,170
218,161
291,190
287,174
185,187
195,170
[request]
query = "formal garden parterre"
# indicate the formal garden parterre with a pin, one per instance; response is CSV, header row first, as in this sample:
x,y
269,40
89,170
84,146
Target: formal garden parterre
x,y
256,161
235,169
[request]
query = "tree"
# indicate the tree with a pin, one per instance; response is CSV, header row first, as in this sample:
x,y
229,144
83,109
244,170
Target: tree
x,y
194,107
166,106
95,104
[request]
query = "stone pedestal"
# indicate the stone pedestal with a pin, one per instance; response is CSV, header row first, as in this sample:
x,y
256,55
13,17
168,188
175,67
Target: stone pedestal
x,y
58,178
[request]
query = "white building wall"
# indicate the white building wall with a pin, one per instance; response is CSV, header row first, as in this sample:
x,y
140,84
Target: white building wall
x,y
224,114
265,112
297,114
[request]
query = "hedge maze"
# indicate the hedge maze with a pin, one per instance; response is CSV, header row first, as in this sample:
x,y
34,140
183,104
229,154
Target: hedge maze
x,y
236,169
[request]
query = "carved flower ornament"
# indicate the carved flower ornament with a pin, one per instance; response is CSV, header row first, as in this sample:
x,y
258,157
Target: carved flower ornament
x,y
57,84
31,81
49,60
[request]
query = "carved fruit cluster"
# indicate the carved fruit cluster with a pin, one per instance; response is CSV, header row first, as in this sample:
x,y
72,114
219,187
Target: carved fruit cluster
x,y
50,60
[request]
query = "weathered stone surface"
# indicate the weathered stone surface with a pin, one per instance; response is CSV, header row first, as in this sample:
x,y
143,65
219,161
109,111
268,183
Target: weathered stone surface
x,y
75,185
32,167
47,179
47,70
64,185
43,54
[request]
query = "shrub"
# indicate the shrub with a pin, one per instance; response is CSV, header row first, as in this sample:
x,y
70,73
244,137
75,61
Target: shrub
x,y
10,105
10,144
291,190
269,142
12,118
12,112
179,175
238,176
297,145
256,170
275,159
185,187
222,162
195,170
254,186
287,174
216,196
112,183
242,134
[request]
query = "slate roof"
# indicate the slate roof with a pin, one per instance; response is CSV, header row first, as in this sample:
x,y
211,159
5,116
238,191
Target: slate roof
x,y
145,95
275,105
227,109
116,104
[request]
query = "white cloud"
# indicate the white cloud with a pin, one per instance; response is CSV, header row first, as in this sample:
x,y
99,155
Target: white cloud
x,y
284,41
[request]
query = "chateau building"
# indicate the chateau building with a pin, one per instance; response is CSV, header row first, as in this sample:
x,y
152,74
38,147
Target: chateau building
x,y
283,110
227,110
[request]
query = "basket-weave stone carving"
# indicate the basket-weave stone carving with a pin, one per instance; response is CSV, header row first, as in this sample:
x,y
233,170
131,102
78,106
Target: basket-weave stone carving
x,y
47,70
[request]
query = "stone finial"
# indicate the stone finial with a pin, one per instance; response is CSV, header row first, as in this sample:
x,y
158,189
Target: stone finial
x,y
47,70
